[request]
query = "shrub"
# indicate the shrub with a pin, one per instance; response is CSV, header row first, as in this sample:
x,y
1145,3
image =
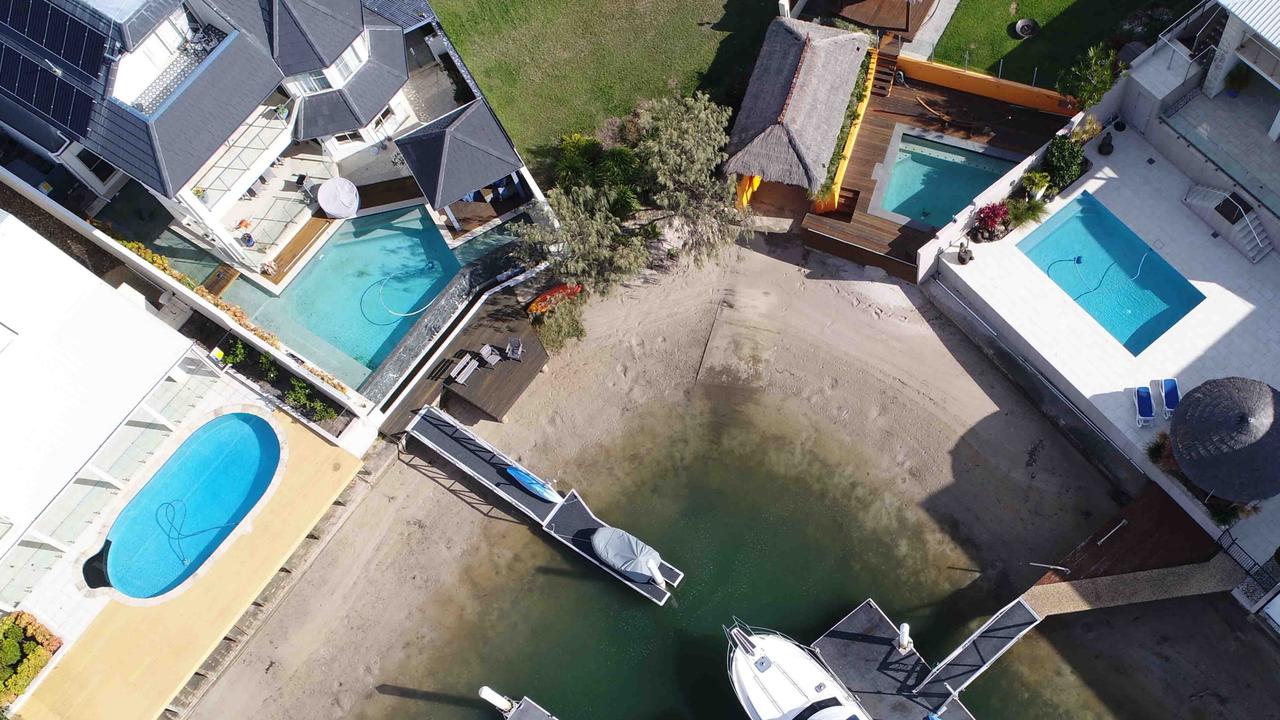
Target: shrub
x,y
235,353
1035,181
268,366
557,327
1025,210
991,217
1063,161
576,158
321,411
1090,77
25,648
1089,129
10,652
298,396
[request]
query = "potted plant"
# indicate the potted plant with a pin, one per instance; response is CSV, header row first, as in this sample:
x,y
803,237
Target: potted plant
x,y
990,219
1237,79
1036,183
965,254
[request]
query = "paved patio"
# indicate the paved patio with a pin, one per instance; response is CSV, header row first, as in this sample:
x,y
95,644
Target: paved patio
x,y
134,657
1234,331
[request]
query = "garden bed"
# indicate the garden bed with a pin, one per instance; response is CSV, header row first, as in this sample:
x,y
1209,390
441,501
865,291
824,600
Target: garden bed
x,y
26,647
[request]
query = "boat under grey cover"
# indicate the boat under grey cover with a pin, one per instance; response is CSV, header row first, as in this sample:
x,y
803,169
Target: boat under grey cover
x,y
570,521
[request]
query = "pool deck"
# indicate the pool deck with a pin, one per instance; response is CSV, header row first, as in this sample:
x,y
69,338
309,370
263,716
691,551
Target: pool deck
x,y
973,118
135,657
1234,331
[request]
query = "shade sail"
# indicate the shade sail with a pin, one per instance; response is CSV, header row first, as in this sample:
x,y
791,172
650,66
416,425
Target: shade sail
x,y
1226,440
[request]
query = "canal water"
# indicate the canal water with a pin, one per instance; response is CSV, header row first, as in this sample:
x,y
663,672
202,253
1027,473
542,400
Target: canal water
x,y
774,523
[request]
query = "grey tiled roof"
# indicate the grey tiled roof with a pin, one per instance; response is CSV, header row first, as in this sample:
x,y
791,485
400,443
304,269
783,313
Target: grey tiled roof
x,y
458,153
311,34
356,103
165,150
33,128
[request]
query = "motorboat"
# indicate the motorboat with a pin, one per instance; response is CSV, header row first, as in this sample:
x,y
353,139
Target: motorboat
x,y
628,555
777,678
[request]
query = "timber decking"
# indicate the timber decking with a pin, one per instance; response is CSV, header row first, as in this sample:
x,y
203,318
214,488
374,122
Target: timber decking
x,y
297,247
852,232
388,192
903,17
220,279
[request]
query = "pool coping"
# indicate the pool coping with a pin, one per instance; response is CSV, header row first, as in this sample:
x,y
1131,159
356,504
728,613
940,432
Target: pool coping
x,y
883,170
158,460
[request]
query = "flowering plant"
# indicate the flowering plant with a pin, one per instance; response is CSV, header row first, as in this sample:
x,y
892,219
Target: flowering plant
x,y
990,217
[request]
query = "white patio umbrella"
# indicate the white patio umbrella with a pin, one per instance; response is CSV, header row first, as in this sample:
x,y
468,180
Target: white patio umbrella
x,y
338,198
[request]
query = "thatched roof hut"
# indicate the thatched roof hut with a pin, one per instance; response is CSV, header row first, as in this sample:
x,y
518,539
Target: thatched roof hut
x,y
1226,438
795,104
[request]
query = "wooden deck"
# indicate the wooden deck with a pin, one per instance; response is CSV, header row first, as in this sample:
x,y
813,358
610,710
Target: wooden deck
x,y
307,235
951,112
388,192
1150,533
903,17
220,279
489,391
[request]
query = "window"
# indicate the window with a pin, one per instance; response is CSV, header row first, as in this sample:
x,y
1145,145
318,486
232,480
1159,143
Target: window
x,y
386,122
348,137
311,82
100,168
351,59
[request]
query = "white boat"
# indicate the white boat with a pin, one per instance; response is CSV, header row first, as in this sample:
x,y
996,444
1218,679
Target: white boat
x,y
777,678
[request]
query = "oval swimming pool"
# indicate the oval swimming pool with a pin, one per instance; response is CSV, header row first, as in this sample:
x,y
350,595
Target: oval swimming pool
x,y
192,503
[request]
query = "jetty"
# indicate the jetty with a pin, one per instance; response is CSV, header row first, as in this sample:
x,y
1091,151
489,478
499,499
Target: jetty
x,y
862,651
569,521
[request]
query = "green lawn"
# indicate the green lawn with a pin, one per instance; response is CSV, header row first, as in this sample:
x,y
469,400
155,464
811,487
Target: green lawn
x,y
1068,28
551,67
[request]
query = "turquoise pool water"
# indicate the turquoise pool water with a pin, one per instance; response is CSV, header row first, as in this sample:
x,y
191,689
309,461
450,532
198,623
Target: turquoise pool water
x,y
192,503
931,181
340,311
1110,272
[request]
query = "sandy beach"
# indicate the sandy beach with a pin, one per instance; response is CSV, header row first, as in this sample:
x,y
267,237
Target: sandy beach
x,y
863,363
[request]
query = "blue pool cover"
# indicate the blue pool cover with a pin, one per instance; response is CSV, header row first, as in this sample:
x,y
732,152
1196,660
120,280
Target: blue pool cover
x,y
1108,270
192,503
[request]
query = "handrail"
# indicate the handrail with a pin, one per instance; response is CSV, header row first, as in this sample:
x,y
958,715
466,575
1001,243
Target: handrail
x,y
1186,17
1227,195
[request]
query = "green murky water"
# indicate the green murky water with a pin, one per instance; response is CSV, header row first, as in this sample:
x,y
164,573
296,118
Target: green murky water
x,y
771,524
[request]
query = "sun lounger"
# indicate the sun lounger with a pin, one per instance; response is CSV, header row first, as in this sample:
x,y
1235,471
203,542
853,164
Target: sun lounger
x,y
490,355
1170,395
1145,405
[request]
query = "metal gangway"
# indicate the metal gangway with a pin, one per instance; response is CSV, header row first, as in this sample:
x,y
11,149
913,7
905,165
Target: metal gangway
x,y
570,521
983,648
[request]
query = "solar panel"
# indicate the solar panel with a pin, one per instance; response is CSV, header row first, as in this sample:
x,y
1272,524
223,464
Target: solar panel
x,y
35,85
52,28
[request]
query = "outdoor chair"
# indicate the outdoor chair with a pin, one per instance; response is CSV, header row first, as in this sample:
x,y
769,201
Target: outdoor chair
x,y
1146,409
490,355
515,348
1170,395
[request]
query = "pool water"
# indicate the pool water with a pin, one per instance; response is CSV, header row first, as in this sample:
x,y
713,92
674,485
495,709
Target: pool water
x,y
192,503
363,291
932,181
1108,270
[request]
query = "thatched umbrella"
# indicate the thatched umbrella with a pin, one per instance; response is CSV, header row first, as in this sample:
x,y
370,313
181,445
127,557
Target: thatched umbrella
x,y
1226,439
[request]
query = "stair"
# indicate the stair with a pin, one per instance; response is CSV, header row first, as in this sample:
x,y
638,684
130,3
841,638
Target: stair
x,y
886,65
1251,238
1246,233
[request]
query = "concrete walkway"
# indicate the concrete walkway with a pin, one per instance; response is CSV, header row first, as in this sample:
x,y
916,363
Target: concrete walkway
x,y
926,38
1221,574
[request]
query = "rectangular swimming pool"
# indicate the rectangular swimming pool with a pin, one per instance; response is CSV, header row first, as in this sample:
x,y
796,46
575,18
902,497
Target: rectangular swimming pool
x,y
1110,272
931,181
353,301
